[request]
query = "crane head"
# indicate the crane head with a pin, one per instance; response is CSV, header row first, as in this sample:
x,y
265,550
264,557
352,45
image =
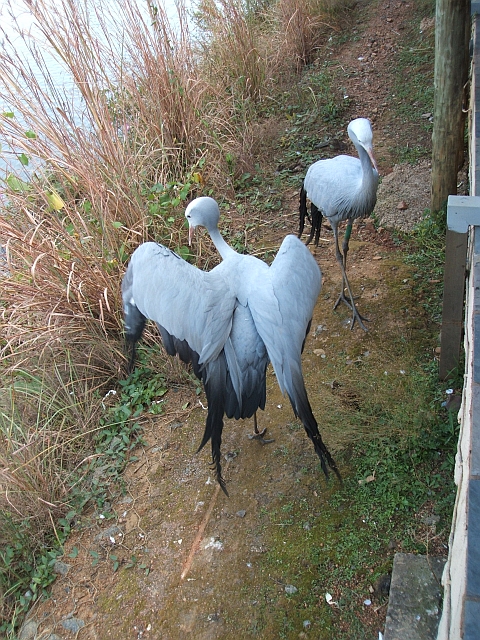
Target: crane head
x,y
202,212
361,134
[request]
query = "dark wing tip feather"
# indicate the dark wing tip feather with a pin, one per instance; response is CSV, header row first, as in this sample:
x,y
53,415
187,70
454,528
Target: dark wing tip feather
x,y
325,458
302,409
303,212
217,468
130,349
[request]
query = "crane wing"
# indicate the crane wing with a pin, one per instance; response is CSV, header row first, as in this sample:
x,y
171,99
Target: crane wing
x,y
282,308
191,304
333,183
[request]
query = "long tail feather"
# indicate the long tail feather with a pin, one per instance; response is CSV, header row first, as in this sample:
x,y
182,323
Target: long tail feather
x,y
214,380
302,409
134,326
303,211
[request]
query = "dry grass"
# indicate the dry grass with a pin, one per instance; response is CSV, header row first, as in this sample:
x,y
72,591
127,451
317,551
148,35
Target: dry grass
x,y
46,430
235,55
303,27
147,118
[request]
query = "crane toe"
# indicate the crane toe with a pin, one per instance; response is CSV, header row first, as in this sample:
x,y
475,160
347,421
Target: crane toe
x,y
258,435
356,316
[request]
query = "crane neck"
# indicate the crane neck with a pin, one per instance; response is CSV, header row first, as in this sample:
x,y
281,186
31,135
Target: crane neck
x,y
369,172
224,249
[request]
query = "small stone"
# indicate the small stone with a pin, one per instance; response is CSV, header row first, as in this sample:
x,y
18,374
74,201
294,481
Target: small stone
x,y
73,624
290,589
402,205
242,513
62,568
28,631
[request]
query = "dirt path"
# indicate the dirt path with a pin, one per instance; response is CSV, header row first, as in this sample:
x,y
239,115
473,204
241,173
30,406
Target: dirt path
x,y
179,559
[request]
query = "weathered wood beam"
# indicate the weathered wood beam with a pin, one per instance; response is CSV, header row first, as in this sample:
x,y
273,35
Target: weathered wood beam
x,y
452,35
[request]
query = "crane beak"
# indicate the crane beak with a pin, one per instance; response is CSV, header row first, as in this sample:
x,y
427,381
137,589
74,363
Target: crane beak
x,y
372,159
191,231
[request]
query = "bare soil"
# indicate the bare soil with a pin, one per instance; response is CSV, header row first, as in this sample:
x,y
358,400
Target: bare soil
x,y
193,563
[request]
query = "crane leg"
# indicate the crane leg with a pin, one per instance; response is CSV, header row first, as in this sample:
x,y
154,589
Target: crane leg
x,y
316,222
345,248
258,435
342,261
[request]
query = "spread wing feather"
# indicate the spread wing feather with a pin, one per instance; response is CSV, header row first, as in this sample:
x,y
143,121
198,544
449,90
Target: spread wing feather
x,y
282,307
191,304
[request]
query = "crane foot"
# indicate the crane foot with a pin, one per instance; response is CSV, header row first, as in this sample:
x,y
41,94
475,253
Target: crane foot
x,y
360,319
258,435
356,317
343,298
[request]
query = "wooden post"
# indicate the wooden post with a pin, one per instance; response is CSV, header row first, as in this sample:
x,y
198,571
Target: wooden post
x,y
452,35
462,212
453,297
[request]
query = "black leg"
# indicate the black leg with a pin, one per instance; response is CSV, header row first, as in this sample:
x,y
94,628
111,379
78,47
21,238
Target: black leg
x,y
258,435
342,261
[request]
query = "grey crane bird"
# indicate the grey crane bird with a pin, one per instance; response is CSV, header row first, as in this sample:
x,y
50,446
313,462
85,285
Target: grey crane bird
x,y
342,188
229,323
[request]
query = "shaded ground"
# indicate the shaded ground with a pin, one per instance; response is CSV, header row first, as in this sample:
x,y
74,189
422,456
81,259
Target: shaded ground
x,y
179,559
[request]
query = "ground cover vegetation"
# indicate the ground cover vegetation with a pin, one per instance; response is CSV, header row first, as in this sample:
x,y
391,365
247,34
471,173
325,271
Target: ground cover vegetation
x,y
167,114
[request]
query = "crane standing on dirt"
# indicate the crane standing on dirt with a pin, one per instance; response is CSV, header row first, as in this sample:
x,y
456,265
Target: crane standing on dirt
x,y
229,323
342,188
